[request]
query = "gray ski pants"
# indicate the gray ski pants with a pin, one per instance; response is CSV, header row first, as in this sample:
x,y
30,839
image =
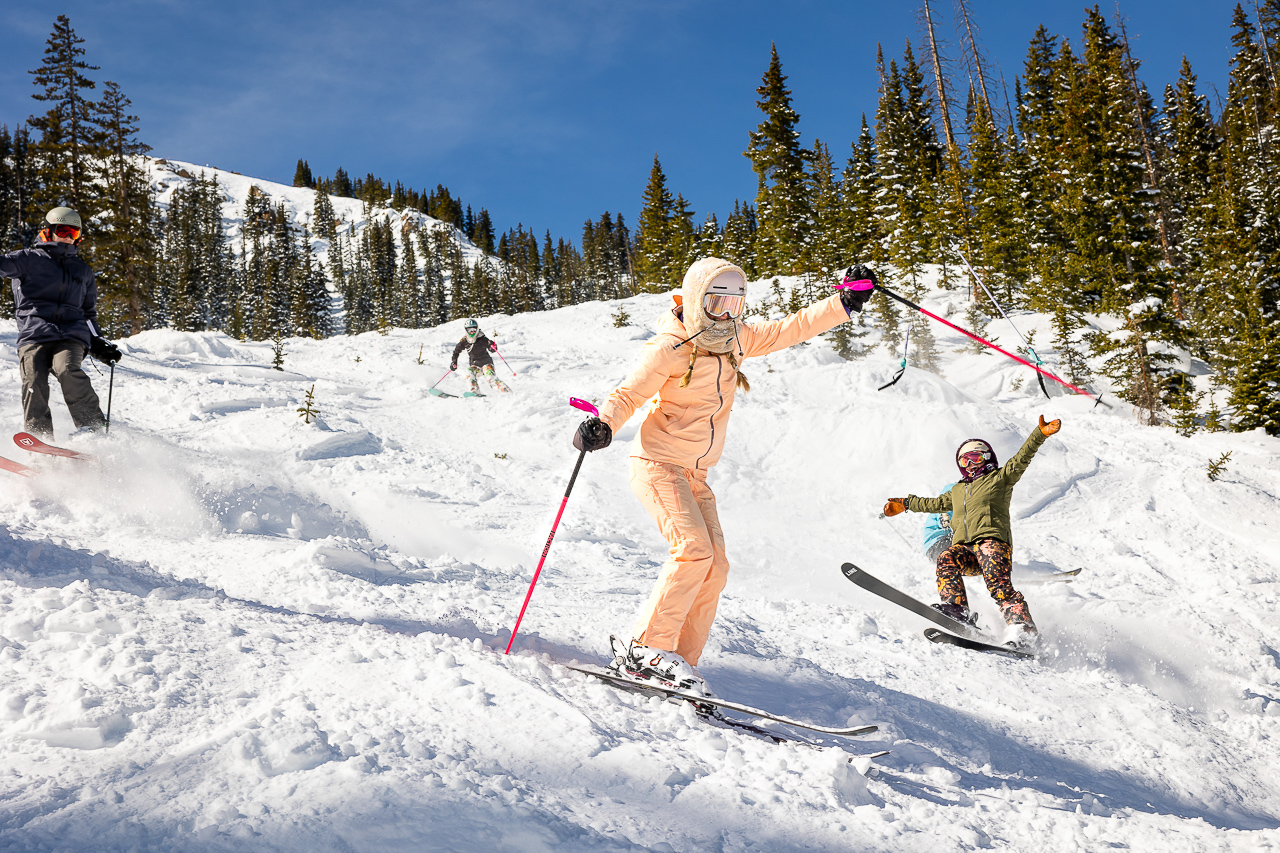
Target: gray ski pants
x,y
63,359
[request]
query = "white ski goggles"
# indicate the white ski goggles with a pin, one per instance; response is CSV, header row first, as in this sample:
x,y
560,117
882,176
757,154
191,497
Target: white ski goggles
x,y
722,306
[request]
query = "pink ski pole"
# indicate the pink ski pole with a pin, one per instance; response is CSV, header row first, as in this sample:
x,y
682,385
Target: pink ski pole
x,y
586,407
441,379
509,367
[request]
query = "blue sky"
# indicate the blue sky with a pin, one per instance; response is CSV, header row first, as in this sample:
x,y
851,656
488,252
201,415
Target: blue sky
x,y
546,113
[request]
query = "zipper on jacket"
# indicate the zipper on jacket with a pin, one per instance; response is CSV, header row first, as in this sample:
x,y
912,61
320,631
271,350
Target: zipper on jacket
x,y
62,291
712,419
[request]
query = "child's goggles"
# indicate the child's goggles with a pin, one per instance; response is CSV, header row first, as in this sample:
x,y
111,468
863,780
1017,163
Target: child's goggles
x,y
974,459
722,306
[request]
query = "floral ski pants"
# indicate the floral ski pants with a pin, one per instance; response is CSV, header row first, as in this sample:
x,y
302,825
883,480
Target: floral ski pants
x,y
990,558
473,373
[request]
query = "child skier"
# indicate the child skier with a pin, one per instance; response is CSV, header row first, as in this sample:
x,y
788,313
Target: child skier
x,y
692,365
478,348
982,534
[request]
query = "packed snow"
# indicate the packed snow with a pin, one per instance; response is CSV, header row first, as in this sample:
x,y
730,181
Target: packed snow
x,y
240,631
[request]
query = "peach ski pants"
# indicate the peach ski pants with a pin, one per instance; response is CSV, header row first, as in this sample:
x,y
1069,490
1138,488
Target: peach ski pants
x,y
680,610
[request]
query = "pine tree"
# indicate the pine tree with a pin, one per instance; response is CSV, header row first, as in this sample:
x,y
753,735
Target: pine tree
x,y
1189,143
128,227
910,165
827,243
1244,239
859,188
322,217
70,139
740,238
779,161
302,175
655,252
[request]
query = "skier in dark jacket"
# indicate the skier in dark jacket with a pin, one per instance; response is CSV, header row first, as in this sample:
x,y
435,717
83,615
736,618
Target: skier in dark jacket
x,y
981,530
478,348
56,299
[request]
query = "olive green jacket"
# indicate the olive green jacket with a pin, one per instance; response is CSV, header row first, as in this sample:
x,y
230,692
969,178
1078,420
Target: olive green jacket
x,y
980,509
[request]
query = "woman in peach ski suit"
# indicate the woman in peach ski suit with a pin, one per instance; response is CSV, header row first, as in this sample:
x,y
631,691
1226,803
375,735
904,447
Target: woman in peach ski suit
x,y
693,366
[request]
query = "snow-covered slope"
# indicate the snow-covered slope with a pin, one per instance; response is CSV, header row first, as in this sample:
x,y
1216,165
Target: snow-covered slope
x,y
241,632
299,202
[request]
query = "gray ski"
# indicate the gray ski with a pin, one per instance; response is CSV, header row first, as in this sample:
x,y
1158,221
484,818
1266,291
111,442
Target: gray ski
x,y
706,702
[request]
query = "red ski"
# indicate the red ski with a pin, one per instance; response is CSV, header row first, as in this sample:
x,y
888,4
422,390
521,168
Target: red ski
x,y
27,441
16,467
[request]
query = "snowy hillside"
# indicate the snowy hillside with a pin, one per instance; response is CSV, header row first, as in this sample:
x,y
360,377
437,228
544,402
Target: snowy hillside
x,y
299,203
240,632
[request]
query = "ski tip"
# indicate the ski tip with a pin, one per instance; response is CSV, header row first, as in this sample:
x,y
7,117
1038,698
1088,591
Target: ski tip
x,y
849,569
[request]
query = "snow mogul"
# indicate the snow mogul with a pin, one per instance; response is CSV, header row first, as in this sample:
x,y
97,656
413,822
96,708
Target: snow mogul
x,y
981,533
479,361
693,365
56,303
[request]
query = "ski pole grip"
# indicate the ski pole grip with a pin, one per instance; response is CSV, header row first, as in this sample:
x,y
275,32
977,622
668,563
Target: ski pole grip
x,y
584,406
860,284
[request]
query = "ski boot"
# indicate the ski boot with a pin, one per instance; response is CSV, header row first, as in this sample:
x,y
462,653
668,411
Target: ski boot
x,y
669,669
1022,632
958,612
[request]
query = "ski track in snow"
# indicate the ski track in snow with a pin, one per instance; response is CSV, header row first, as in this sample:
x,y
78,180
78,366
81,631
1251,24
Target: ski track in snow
x,y
241,632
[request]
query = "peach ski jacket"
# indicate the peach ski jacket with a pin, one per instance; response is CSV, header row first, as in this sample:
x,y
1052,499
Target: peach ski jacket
x,y
687,426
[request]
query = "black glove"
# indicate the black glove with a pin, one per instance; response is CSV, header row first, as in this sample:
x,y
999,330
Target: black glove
x,y
453,366
592,434
104,351
853,300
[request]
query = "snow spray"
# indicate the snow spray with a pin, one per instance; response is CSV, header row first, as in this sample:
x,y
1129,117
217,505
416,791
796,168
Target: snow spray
x,y
586,407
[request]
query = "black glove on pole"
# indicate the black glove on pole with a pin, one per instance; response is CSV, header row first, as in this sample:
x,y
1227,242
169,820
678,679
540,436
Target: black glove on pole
x,y
593,434
853,300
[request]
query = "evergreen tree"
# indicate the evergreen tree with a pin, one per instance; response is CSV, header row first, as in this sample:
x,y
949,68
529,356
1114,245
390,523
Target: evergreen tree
x,y
128,227
484,232
827,244
656,261
302,175
859,188
70,140
1189,143
779,161
322,217
910,165
740,238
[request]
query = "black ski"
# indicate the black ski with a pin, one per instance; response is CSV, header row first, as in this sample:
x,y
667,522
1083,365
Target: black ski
x,y
937,636
710,706
871,583
961,633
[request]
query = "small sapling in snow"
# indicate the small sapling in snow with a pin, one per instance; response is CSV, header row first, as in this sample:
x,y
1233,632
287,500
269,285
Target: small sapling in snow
x,y
277,352
420,361
621,317
308,409
1217,468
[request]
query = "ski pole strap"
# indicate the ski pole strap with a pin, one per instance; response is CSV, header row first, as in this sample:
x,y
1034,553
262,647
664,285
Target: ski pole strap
x,y
985,342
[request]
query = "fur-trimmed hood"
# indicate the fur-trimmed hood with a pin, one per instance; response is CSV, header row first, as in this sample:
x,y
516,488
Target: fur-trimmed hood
x,y
718,336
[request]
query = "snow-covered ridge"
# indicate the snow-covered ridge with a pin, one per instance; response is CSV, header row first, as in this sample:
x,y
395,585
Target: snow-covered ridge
x,y
242,632
353,215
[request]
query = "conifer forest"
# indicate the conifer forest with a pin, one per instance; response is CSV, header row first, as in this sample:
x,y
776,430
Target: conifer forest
x,y
1075,190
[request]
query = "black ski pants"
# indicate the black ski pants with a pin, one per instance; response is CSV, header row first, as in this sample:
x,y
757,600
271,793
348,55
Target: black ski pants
x,y
62,359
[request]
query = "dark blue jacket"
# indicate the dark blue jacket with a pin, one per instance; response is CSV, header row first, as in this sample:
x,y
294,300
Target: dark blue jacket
x,y
55,292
